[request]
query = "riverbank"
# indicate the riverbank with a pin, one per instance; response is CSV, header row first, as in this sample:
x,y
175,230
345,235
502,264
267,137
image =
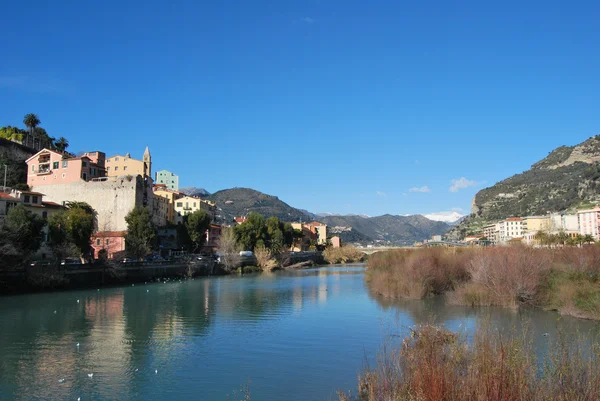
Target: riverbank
x,y
566,280
435,364
48,278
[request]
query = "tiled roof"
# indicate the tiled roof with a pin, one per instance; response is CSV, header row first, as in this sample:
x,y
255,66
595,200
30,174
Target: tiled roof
x,y
4,195
105,234
513,219
52,204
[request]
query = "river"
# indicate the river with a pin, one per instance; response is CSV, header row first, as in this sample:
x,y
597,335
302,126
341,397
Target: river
x,y
297,335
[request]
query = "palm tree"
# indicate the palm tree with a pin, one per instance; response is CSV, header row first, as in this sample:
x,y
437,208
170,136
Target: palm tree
x,y
589,239
541,237
579,239
31,121
61,144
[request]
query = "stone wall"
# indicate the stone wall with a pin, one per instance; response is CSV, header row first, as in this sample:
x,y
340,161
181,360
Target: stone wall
x,y
111,199
14,155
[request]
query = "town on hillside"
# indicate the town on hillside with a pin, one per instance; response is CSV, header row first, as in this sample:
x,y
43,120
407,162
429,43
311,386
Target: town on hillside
x,y
555,228
113,187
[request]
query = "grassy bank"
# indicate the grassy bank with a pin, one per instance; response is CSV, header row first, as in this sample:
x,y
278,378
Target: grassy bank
x,y
345,254
434,364
562,279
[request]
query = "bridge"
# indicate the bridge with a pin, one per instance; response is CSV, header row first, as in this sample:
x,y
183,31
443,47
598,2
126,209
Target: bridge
x,y
375,249
447,244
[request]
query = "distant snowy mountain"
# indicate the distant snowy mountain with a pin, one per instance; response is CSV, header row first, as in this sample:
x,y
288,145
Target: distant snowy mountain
x,y
446,217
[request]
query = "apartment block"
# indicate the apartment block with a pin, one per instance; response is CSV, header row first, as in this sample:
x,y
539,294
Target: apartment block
x,y
188,204
589,222
167,178
510,228
120,165
49,167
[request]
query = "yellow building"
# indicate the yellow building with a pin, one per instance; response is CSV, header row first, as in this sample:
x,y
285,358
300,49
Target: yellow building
x,y
189,204
119,165
536,223
171,196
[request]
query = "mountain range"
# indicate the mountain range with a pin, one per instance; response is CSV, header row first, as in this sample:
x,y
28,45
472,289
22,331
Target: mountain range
x,y
351,228
567,179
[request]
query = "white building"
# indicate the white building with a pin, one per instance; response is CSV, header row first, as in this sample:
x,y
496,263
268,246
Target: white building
x,y
589,222
568,223
510,228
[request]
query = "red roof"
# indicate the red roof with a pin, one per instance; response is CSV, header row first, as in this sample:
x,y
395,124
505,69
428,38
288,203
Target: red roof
x,y
4,195
513,219
111,234
52,204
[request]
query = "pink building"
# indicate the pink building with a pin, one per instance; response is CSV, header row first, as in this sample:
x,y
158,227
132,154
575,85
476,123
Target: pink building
x,y
213,235
336,242
111,241
49,167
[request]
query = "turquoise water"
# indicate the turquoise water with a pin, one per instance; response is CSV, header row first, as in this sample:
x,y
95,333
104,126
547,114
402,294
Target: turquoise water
x,y
298,335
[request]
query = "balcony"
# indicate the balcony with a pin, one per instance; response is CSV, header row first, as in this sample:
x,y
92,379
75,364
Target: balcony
x,y
44,169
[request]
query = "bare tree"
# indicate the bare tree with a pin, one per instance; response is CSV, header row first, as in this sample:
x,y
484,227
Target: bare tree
x,y
229,249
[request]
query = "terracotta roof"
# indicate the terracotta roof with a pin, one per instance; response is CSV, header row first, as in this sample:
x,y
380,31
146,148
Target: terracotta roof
x,y
4,195
51,204
31,193
316,223
105,234
513,219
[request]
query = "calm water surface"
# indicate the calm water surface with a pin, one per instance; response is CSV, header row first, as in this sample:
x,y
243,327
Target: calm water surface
x,y
291,335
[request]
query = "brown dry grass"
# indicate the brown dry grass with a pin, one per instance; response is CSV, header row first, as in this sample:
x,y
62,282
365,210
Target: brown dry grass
x,y
434,364
345,254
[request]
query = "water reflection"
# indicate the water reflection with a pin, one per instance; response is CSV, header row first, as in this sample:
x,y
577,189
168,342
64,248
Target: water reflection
x,y
208,336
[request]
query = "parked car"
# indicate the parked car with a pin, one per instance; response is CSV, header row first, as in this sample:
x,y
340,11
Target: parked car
x,y
246,253
70,261
40,263
128,260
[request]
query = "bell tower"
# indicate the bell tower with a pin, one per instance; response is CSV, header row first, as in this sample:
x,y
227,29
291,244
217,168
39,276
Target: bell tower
x,y
147,159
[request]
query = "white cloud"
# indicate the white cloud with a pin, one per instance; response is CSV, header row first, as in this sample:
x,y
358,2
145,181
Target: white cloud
x,y
461,183
424,188
380,193
308,20
447,217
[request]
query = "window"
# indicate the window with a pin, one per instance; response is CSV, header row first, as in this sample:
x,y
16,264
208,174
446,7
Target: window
x,y
116,168
34,199
194,204
84,164
179,204
107,169
64,164
84,175
44,215
125,168
33,167
107,241
97,241
108,160
26,199
116,159
55,165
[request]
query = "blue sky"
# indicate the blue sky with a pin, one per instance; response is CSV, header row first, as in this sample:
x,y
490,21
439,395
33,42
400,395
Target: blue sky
x,y
334,106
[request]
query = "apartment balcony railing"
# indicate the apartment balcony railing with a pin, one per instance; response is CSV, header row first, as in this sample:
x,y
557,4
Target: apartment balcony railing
x,y
44,169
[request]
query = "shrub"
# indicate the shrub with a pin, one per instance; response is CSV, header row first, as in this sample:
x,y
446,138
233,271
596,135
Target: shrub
x,y
345,254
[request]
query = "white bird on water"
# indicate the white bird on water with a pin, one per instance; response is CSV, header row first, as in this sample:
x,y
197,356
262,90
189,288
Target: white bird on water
x,y
90,375
61,380
147,290
155,371
77,344
55,312
77,301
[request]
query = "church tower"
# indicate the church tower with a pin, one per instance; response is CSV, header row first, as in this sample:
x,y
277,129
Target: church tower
x,y
147,159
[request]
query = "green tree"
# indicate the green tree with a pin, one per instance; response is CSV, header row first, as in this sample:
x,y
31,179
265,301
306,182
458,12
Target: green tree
x,y
541,237
588,239
80,226
61,144
562,237
579,239
197,223
20,236
71,229
252,232
12,133
140,232
31,121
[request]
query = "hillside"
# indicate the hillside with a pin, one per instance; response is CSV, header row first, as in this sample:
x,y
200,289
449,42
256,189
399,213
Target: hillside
x,y
390,228
241,201
569,177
